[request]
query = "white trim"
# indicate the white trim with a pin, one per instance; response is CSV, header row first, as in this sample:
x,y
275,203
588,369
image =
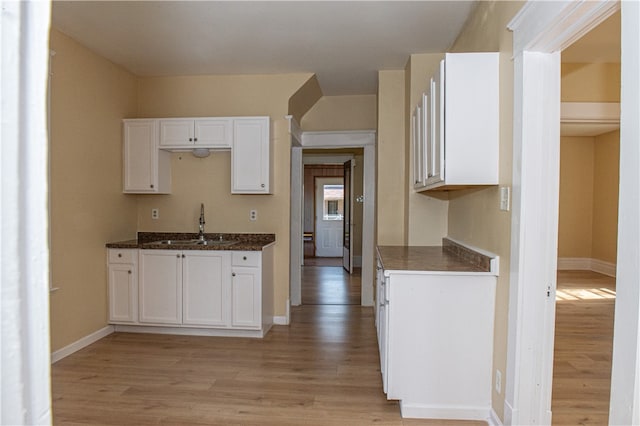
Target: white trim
x,y
294,130
586,264
296,244
494,419
279,320
325,159
451,412
81,343
192,331
345,139
541,30
624,407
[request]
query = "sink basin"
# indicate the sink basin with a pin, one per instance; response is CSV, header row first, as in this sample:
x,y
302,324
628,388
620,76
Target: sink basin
x,y
216,243
177,242
195,242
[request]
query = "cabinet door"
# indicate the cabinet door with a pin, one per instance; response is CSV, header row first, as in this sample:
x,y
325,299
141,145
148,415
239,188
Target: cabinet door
x,y
206,277
123,296
160,286
213,132
250,156
436,154
418,146
246,298
140,156
176,133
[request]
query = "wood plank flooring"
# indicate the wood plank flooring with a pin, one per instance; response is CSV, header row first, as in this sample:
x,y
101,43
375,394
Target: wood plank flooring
x,y
330,285
583,345
323,369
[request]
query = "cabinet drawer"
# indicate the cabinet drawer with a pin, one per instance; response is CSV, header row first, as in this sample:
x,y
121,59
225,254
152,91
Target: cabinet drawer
x,y
246,258
123,256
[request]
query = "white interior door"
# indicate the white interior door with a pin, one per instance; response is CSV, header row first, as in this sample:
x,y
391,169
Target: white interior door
x,y
329,216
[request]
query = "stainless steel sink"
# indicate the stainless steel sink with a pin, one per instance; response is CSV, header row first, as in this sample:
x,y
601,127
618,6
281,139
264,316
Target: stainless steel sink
x,y
195,242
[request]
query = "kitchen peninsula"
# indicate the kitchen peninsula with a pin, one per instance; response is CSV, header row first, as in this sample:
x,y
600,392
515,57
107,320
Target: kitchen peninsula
x,y
434,317
177,283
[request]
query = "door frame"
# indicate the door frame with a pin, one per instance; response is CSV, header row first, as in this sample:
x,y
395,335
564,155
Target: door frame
x,y
332,140
541,30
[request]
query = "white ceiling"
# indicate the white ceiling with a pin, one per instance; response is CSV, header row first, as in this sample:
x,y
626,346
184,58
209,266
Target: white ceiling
x,y
344,43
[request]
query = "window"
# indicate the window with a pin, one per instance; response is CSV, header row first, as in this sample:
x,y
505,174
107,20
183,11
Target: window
x,y
333,202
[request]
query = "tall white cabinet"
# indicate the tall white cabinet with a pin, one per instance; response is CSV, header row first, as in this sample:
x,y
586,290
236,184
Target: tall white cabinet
x,y
455,126
146,168
250,156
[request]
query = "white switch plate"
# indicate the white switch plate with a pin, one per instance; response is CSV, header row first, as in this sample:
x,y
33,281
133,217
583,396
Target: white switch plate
x,y
253,215
505,198
155,214
498,382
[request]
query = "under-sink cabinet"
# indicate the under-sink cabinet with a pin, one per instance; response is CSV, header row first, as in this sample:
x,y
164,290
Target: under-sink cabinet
x,y
195,133
218,292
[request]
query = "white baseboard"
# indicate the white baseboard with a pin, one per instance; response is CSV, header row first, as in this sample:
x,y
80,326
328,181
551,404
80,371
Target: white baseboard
x,y
587,264
192,331
81,343
509,413
602,267
424,411
280,320
494,419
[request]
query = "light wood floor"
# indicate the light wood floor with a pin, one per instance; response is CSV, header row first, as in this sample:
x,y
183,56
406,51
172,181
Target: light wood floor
x,y
323,369
330,285
583,345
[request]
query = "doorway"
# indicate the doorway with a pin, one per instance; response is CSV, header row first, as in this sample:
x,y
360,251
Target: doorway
x,y
587,227
332,227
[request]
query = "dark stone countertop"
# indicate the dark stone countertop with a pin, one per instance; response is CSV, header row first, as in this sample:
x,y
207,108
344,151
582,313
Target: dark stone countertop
x,y
450,257
242,242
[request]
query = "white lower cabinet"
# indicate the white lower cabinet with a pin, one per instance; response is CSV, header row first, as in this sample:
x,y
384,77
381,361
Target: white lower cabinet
x,y
161,287
203,289
122,268
435,334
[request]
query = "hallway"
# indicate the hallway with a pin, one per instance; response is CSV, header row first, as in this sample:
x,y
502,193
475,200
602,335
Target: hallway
x,y
329,285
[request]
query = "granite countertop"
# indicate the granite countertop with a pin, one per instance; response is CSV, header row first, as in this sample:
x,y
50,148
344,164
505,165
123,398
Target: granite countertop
x,y
450,257
148,240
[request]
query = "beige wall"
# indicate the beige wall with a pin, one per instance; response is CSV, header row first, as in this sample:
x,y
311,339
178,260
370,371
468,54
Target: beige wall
x,y
597,82
588,218
606,169
341,113
89,98
427,215
575,218
305,98
207,180
391,184
474,216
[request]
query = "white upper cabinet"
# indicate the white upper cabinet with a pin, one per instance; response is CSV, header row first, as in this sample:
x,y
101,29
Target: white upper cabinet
x,y
188,133
251,169
456,125
146,168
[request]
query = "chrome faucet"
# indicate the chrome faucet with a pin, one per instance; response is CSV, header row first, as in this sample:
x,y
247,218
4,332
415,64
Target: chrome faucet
x,y
201,223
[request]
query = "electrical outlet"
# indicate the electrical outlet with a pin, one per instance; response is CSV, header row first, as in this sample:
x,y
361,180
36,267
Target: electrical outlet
x,y
505,198
155,214
498,382
253,215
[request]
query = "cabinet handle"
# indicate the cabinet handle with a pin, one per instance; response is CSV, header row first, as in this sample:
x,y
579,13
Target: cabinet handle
x,y
233,274
190,139
244,257
119,254
183,256
151,185
195,139
262,185
178,256
129,272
